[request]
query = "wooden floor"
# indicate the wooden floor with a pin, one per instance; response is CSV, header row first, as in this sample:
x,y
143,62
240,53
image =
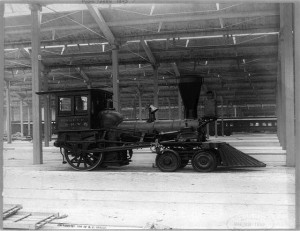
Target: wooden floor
x,y
140,196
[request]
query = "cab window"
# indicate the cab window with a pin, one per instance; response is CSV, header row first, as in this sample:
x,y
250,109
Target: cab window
x,y
65,104
81,104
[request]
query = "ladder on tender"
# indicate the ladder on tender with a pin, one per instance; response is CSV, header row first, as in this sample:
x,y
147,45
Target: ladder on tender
x,y
13,218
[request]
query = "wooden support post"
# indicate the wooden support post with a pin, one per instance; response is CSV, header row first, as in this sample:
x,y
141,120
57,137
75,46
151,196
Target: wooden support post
x,y
12,114
4,114
216,128
155,88
216,122
279,95
36,73
140,105
51,117
282,76
235,113
21,117
297,110
115,73
28,121
288,77
179,106
177,73
169,107
47,120
278,106
228,114
8,112
207,131
134,109
1,107
222,116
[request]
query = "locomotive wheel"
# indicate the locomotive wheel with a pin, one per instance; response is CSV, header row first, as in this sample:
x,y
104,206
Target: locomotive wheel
x,y
204,161
83,161
168,161
184,163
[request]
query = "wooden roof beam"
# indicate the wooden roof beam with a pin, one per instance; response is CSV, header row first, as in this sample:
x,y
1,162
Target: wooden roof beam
x,y
102,24
84,76
221,22
45,2
25,53
148,20
175,68
185,18
125,38
176,50
96,63
220,19
148,52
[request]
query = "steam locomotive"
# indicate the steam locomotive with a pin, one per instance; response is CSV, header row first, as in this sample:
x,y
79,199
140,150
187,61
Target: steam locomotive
x,y
91,134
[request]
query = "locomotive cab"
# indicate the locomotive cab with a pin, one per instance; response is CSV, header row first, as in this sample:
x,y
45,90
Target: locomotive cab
x,y
79,109
86,125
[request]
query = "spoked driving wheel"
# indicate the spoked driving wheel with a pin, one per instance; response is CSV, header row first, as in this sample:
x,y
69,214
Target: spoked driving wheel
x,y
83,161
204,161
168,161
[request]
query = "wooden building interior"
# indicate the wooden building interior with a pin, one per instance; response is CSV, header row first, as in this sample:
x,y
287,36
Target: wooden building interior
x,y
246,52
233,46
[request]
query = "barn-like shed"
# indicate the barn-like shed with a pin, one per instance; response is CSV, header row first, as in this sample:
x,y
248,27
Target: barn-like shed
x,y
246,52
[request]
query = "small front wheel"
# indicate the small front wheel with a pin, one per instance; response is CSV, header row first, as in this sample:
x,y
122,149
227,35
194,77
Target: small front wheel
x,y
168,161
204,161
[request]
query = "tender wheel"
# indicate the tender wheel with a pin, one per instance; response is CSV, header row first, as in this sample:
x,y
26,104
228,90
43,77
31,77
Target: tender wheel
x,y
168,161
204,161
83,161
184,163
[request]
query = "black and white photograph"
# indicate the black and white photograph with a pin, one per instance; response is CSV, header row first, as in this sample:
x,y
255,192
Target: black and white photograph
x,y
149,114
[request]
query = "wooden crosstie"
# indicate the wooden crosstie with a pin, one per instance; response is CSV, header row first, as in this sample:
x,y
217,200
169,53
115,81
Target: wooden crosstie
x,y
13,218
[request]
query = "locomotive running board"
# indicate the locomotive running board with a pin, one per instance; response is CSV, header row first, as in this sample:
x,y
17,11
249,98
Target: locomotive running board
x,y
232,157
119,148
